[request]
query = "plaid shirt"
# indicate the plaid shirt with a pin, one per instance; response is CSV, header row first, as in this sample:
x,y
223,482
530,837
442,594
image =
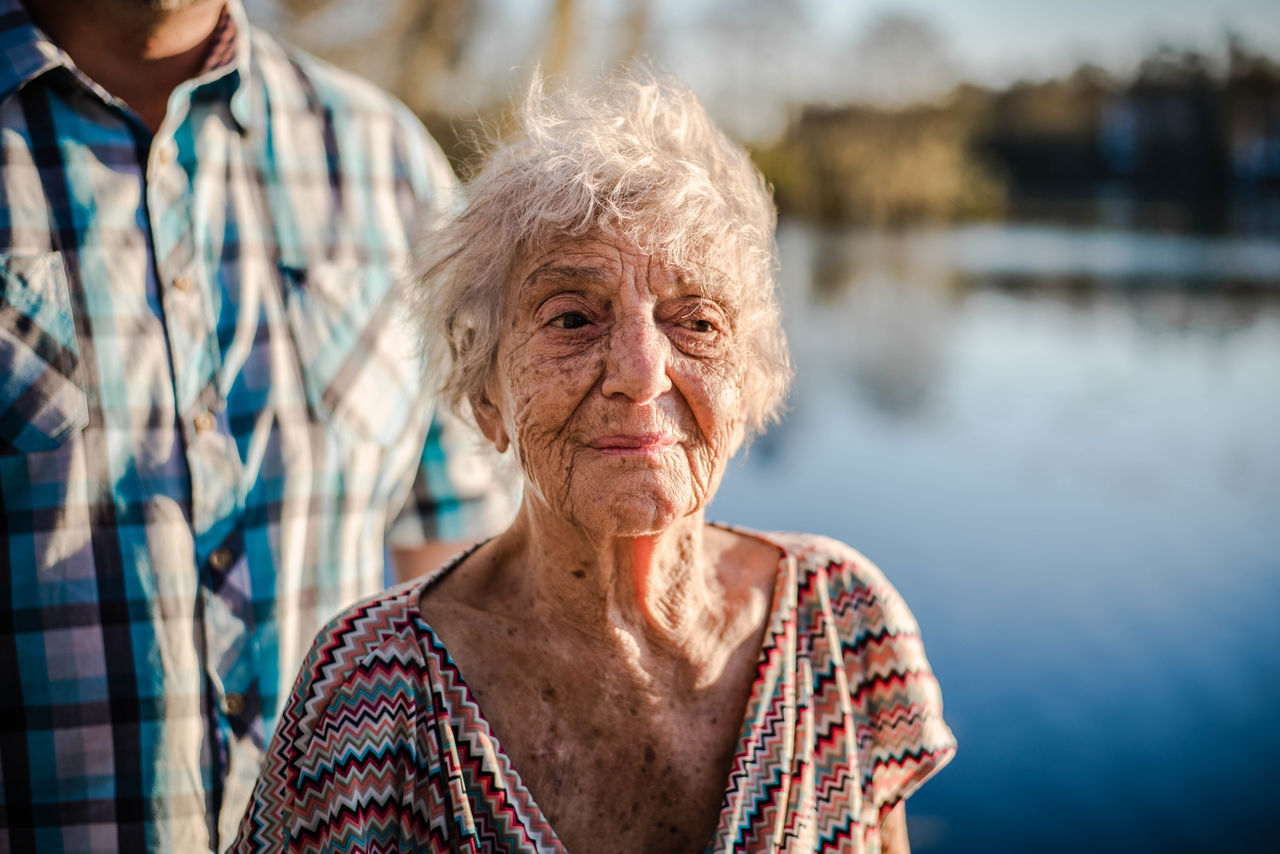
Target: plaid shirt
x,y
208,416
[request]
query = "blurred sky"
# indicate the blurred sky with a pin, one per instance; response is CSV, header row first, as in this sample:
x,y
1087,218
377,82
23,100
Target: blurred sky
x,y
1001,39
750,59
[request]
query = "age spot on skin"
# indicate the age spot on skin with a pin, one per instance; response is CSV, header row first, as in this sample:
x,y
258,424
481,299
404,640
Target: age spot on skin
x,y
579,573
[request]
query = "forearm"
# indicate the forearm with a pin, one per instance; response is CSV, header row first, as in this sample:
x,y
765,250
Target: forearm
x,y
893,831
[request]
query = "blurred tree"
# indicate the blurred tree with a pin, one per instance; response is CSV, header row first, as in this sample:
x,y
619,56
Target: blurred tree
x,y
1252,123
422,50
863,125
557,61
411,47
874,165
901,59
636,21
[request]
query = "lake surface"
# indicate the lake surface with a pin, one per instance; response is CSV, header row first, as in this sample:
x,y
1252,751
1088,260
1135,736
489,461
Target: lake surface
x,y
1063,447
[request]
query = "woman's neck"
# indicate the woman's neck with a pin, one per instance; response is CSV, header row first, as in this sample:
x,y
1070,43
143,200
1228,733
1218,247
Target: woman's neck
x,y
670,602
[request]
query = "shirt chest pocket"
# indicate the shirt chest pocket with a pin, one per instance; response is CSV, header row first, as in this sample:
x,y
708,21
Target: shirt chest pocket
x,y
358,361
42,401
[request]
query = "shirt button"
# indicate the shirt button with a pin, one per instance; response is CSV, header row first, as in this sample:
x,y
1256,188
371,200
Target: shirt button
x,y
233,704
204,422
183,283
220,559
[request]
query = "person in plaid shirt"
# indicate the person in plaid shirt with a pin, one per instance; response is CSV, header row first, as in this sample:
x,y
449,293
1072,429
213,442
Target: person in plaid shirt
x,y
209,414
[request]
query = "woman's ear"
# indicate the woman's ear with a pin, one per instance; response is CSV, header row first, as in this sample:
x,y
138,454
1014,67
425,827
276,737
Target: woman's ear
x,y
489,419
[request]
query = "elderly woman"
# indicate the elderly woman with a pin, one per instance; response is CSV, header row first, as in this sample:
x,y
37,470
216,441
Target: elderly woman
x,y
612,673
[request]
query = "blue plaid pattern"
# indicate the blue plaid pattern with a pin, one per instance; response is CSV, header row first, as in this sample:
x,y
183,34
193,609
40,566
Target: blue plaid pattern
x,y
209,413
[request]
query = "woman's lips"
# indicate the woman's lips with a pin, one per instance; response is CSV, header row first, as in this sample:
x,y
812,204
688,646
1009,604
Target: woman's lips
x,y
636,443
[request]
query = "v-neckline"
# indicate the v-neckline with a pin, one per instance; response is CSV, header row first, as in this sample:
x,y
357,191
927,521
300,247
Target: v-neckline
x,y
782,607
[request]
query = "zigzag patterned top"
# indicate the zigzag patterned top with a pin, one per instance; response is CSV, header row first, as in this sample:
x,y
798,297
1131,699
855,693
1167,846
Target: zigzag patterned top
x,y
382,748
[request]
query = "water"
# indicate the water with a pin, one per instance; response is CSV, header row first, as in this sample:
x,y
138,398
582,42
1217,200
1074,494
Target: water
x,y
1064,449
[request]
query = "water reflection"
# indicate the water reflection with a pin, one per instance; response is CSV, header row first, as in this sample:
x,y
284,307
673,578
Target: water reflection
x,y
1062,447
890,309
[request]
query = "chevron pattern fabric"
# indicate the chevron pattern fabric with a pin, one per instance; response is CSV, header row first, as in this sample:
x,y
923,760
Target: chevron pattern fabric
x,y
382,748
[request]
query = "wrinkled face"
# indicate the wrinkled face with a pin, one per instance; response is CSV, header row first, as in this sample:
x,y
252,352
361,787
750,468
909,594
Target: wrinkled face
x,y
619,383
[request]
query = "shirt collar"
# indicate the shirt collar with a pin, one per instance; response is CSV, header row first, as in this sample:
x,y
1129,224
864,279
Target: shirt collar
x,y
222,45
247,107
26,53
226,67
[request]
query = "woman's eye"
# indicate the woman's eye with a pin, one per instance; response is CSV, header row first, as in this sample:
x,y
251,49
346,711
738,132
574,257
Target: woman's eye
x,y
696,323
569,320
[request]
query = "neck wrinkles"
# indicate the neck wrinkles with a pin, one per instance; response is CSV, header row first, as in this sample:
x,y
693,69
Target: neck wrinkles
x,y
655,598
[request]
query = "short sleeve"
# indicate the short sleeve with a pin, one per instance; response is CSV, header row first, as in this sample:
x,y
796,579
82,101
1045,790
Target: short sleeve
x,y
902,739
457,493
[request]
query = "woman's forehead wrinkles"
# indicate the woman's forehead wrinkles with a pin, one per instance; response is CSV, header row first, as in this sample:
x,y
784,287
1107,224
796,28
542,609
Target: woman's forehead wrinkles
x,y
558,271
589,266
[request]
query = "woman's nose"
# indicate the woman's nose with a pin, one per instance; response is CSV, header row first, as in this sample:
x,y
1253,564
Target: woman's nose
x,y
636,365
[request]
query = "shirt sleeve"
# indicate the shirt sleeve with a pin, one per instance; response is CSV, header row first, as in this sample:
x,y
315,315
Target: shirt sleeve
x,y
902,739
458,493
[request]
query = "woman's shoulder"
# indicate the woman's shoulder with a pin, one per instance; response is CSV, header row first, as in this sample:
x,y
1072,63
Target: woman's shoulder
x,y
815,548
391,618
355,689
818,553
833,572
393,608
384,628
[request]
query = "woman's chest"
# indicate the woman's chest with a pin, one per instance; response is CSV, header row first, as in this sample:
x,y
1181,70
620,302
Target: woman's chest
x,y
610,764
627,780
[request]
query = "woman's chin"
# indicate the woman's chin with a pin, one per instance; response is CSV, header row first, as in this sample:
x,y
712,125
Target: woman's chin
x,y
632,513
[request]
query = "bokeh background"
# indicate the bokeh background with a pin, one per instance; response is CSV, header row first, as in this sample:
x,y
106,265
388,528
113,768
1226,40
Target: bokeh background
x,y
1031,273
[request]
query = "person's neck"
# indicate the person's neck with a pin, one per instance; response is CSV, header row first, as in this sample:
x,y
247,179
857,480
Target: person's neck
x,y
137,53
656,598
